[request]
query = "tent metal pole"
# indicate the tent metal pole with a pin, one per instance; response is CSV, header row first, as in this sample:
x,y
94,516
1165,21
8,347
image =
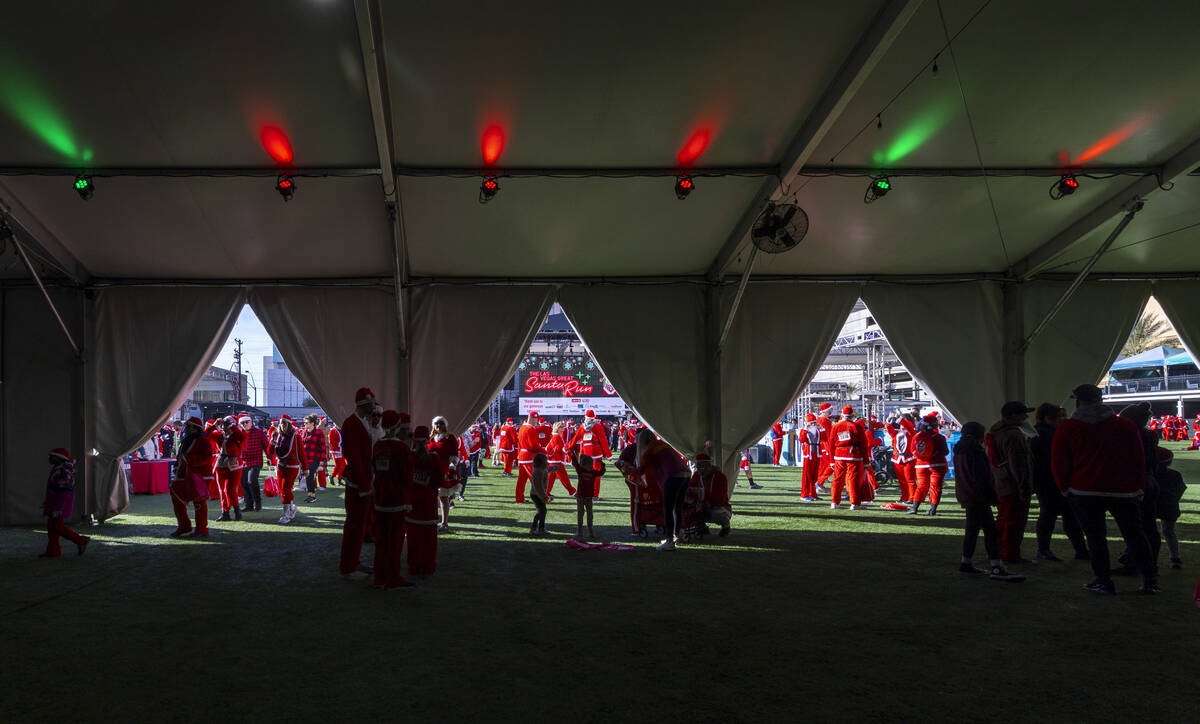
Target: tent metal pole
x,y
29,265
713,376
737,299
1081,276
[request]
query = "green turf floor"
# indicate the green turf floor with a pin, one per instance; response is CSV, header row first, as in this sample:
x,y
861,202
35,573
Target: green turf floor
x,y
801,613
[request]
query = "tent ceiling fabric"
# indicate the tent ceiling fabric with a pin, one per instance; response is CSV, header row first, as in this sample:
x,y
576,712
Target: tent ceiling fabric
x,y
141,83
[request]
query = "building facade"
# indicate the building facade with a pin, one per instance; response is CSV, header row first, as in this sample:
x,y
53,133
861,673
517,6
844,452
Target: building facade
x,y
282,389
221,385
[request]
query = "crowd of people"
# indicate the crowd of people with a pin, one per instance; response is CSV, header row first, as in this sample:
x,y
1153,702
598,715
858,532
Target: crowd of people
x,y
401,482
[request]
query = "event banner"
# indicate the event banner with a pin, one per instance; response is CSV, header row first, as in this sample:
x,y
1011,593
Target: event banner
x,y
573,406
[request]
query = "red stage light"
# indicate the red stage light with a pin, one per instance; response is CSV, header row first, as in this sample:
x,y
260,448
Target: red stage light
x,y
695,146
276,143
493,144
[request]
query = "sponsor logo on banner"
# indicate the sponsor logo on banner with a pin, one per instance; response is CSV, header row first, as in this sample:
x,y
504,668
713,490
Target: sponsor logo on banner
x,y
573,406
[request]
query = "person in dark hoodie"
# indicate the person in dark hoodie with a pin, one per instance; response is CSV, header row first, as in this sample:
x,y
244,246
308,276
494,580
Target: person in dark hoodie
x,y
1051,502
1012,469
1098,462
1139,413
975,491
1170,492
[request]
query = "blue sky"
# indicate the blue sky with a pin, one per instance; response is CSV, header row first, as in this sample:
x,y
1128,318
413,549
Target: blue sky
x,y
256,344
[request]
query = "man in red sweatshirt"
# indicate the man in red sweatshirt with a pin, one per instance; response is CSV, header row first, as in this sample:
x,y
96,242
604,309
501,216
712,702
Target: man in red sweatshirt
x,y
1099,462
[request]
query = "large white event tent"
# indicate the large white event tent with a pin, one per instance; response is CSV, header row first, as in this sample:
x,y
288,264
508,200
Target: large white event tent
x,y
384,270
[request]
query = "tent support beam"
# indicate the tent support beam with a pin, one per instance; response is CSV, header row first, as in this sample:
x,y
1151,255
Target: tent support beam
x,y
1040,258
712,389
737,299
870,49
370,23
43,243
1080,277
33,272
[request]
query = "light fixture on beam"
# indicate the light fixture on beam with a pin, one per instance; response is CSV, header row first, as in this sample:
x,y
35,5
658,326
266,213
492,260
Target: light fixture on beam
x,y
488,189
880,186
286,186
1065,186
84,186
684,185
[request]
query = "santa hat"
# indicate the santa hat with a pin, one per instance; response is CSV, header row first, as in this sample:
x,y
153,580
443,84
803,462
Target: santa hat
x,y
930,419
244,418
589,413
391,419
508,421
193,420
533,415
704,457
810,417
405,418
825,406
61,453
363,396
421,432
439,418
377,409
848,410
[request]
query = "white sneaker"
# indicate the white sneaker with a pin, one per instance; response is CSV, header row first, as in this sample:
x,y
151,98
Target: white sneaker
x,y
834,506
294,510
284,518
667,545
855,507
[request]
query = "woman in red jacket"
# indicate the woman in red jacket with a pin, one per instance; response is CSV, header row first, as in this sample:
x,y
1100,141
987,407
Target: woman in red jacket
x,y
289,451
556,453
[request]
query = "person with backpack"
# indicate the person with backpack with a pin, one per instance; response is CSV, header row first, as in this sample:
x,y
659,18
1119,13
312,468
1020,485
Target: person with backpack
x,y
975,491
1012,469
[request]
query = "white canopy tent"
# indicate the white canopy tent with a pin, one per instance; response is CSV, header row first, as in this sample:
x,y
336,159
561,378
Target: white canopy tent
x,y
363,277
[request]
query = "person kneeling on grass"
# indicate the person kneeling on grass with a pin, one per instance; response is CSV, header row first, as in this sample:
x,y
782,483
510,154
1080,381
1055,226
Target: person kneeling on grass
x,y
537,482
975,491
714,488
586,470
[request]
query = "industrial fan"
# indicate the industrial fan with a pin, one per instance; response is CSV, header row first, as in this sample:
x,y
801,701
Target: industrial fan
x,y
779,227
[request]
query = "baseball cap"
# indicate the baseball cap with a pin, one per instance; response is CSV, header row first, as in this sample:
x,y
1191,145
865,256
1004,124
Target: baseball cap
x,y
1087,393
1014,408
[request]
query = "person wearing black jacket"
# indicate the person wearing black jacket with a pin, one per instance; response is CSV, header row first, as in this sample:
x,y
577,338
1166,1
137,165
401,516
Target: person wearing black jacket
x,y
1139,413
1051,502
976,493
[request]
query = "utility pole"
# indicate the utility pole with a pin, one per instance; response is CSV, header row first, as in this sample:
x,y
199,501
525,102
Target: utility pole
x,y
237,361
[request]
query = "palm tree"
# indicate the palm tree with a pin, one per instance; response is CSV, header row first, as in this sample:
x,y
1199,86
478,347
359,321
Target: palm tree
x,y
1149,331
852,390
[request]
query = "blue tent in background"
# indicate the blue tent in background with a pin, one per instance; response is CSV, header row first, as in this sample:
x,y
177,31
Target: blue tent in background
x,y
1153,359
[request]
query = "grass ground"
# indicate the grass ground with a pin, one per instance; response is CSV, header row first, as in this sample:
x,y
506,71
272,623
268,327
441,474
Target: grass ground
x,y
802,612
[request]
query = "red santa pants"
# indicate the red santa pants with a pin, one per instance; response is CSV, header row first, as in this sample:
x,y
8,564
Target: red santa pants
x,y
287,478
808,478
776,450
181,515
559,473
826,469
1011,514
339,467
422,546
845,475
229,482
902,479
524,473
389,544
321,476
56,527
509,459
352,530
929,480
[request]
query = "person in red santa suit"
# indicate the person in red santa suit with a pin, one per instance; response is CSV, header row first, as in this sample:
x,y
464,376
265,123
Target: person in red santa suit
x,y
476,439
592,440
508,446
559,458
529,443
193,476
902,434
776,442
289,455
1154,424
392,480
335,451
464,466
59,504
445,446
272,436
826,468
929,454
849,446
229,468
357,445
420,524
809,438
214,432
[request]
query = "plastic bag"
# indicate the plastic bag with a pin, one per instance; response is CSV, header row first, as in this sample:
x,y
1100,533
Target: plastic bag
x,y
271,488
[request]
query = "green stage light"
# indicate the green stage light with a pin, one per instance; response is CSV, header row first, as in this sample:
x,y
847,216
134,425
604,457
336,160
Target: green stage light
x,y
84,187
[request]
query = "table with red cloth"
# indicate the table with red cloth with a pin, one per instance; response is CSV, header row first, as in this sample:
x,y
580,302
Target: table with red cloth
x,y
151,476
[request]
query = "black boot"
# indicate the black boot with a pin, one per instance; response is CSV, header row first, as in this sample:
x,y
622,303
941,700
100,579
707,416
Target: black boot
x,y
224,515
237,513
932,509
912,509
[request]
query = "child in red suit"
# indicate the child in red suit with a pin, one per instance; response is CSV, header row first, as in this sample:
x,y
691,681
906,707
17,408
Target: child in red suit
x,y
588,472
59,504
420,524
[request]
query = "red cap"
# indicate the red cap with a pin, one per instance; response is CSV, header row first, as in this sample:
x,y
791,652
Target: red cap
x,y
533,416
589,413
810,417
391,418
61,452
363,396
